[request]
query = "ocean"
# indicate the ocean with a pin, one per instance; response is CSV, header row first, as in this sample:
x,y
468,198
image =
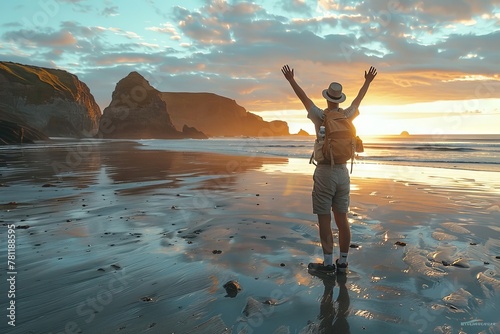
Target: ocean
x,y
459,152
452,160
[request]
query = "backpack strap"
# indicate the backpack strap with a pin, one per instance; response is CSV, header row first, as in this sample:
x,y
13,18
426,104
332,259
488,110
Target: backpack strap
x,y
332,158
311,160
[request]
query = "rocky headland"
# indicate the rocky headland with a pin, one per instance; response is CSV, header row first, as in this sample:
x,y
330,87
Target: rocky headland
x,y
217,116
44,102
138,110
51,101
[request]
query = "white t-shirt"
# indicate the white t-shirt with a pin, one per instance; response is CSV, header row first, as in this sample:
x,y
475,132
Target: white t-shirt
x,y
316,115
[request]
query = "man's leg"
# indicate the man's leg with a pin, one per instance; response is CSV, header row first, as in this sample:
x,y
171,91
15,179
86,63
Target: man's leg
x,y
325,233
344,239
344,231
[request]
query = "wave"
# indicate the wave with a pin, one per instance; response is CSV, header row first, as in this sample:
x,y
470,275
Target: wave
x,y
472,156
443,148
433,148
433,161
287,146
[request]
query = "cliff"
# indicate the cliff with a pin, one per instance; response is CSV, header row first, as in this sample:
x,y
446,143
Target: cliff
x,y
137,111
13,133
216,115
51,101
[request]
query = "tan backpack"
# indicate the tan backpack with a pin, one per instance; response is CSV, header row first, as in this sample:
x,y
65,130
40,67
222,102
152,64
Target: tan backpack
x,y
340,141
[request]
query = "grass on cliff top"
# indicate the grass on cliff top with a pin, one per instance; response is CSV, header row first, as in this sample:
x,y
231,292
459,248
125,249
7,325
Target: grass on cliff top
x,y
59,80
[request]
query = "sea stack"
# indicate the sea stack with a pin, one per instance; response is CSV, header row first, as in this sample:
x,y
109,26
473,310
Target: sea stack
x,y
137,111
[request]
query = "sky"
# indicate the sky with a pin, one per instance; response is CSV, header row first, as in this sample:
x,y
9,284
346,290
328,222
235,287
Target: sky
x,y
438,61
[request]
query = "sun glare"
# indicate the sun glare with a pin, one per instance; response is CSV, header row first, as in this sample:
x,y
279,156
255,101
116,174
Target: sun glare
x,y
374,124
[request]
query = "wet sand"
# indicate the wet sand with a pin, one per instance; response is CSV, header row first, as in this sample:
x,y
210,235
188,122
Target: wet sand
x,y
111,238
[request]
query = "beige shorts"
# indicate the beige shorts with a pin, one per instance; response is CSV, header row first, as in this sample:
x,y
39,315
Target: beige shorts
x,y
331,189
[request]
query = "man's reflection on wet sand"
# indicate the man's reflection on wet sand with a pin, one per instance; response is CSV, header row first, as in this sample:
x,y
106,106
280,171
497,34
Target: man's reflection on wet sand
x,y
333,313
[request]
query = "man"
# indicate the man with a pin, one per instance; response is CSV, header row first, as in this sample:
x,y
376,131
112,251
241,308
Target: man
x,y
331,183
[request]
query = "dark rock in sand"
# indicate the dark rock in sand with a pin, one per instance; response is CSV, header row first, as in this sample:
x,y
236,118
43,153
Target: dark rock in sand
x,y
400,243
51,101
22,227
232,288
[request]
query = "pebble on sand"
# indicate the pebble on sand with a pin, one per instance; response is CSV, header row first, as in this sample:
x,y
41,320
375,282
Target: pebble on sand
x,y
232,288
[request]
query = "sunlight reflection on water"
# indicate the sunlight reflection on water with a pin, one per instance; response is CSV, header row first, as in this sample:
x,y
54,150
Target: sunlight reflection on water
x,y
451,178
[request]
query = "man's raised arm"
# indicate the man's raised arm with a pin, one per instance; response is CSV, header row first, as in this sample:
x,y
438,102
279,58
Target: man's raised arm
x,y
289,75
368,79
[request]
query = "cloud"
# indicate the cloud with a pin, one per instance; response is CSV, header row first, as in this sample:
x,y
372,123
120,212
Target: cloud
x,y
111,59
205,30
110,11
33,38
296,6
166,28
424,51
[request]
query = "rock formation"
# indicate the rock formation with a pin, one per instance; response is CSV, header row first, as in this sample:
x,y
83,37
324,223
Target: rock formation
x,y
216,115
302,133
58,104
13,133
52,101
137,111
191,132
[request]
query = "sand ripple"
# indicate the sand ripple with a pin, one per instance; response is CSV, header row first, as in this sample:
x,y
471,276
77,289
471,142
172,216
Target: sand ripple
x,y
489,284
460,300
419,263
212,325
440,236
456,228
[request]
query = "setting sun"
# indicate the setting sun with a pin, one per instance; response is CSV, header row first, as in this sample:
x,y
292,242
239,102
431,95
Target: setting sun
x,y
439,117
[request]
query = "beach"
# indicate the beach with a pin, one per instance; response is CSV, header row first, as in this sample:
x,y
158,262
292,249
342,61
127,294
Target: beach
x,y
115,237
